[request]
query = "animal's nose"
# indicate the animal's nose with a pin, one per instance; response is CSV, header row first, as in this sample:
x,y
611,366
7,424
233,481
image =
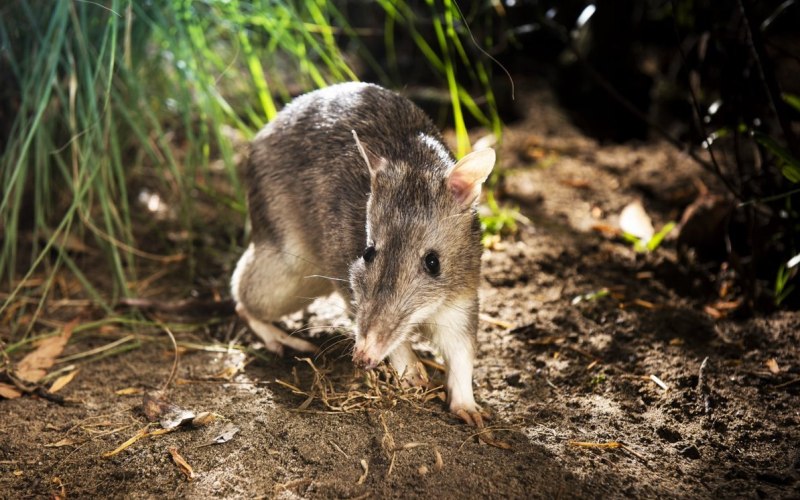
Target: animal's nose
x,y
363,360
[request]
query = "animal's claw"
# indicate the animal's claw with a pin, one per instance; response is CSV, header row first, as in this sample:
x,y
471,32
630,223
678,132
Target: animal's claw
x,y
474,416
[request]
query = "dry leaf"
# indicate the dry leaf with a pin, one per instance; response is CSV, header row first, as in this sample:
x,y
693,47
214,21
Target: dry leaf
x,y
773,366
226,435
9,391
167,414
714,313
634,220
62,491
63,380
204,418
606,230
176,417
182,464
129,391
152,406
34,365
59,444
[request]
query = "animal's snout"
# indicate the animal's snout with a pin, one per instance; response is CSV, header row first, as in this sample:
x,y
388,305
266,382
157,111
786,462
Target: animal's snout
x,y
367,354
363,360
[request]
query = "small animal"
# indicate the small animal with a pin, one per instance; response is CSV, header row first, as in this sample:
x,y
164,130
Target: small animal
x,y
351,189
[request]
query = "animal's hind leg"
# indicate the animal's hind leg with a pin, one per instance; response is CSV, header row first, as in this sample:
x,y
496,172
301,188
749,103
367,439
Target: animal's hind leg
x,y
267,284
273,337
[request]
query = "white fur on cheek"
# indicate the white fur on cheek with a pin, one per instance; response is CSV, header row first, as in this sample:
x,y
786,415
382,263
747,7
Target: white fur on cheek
x,y
454,340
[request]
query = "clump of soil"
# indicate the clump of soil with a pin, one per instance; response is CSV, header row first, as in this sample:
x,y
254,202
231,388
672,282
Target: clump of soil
x,y
641,390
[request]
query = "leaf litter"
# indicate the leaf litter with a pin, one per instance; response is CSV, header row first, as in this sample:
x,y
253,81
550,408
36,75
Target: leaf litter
x,y
181,462
34,366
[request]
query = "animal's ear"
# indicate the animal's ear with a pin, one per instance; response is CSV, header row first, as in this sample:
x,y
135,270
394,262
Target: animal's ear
x,y
374,162
467,176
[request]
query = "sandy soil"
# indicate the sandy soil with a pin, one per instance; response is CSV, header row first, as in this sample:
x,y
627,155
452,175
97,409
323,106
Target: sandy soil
x,y
554,371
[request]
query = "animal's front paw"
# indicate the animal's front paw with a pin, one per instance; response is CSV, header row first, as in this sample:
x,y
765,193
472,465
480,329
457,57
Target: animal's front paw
x,y
471,414
475,417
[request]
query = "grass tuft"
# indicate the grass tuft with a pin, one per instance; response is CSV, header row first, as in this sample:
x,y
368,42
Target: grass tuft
x,y
103,100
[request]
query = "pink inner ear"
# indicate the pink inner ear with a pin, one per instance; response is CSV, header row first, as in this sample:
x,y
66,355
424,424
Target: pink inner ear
x,y
461,188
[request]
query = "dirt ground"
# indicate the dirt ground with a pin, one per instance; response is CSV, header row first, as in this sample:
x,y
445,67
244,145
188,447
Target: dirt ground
x,y
574,385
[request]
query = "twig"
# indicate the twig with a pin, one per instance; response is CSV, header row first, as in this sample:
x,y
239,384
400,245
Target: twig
x,y
174,361
97,350
786,384
702,387
756,45
336,446
698,115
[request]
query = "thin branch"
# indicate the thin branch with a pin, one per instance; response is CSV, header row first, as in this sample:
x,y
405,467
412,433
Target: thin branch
x,y
756,45
698,114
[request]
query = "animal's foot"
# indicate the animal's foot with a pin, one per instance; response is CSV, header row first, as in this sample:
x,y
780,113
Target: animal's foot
x,y
275,339
476,417
471,414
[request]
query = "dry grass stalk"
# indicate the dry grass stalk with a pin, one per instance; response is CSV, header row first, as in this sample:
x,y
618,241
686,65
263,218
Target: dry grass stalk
x,y
143,433
375,390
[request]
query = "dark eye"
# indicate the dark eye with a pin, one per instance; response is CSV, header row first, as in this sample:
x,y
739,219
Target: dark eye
x,y
432,263
369,254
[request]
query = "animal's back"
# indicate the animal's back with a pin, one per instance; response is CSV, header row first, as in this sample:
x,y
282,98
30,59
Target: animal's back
x,y
308,184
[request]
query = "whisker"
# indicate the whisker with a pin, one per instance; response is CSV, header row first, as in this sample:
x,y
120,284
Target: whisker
x,y
338,336
312,327
284,252
326,277
331,347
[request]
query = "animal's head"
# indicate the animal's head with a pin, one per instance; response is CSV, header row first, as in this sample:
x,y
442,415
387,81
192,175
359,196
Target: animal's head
x,y
423,243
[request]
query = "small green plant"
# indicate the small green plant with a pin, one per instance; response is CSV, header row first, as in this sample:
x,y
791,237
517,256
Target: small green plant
x,y
499,221
597,381
785,273
450,27
587,297
646,245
